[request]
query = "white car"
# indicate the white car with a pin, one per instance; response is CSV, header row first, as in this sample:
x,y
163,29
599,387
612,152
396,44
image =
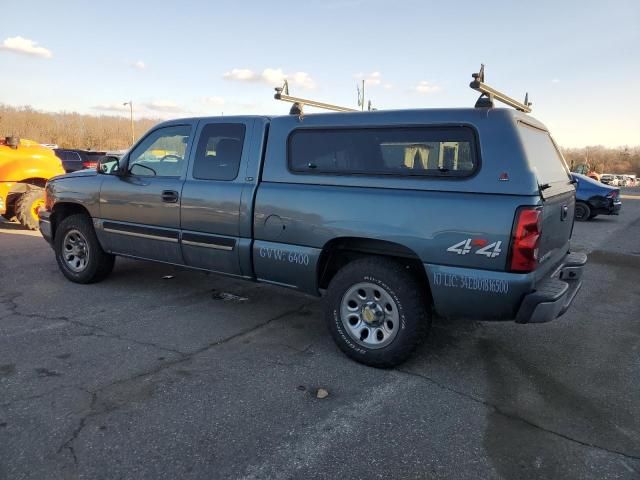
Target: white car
x,y
610,179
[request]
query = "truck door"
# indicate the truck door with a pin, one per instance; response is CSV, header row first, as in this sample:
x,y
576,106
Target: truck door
x,y
212,196
140,210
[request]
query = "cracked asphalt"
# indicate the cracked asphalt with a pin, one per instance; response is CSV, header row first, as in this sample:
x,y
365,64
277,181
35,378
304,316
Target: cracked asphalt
x,y
199,376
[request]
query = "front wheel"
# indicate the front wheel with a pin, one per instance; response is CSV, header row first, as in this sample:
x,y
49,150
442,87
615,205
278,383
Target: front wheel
x,y
376,311
78,252
582,212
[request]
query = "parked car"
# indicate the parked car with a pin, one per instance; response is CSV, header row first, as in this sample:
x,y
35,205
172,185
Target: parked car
x,y
632,181
609,179
74,160
593,198
391,216
622,181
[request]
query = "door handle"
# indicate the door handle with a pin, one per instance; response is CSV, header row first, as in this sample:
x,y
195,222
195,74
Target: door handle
x,y
170,196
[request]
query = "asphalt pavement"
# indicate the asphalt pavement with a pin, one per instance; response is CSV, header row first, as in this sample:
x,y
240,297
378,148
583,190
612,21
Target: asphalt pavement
x,y
164,373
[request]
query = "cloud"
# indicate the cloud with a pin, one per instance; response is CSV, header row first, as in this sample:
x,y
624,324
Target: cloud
x,y
425,88
301,79
140,65
271,76
165,106
110,107
240,74
25,46
371,79
213,101
387,86
555,80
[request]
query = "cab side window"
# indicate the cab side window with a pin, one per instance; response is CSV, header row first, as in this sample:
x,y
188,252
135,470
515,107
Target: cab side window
x,y
161,153
219,152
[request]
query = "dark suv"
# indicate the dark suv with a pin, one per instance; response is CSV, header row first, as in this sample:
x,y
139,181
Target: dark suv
x,y
73,160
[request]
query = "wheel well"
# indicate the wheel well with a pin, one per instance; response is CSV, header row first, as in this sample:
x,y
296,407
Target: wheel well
x,y
63,210
340,251
19,188
22,185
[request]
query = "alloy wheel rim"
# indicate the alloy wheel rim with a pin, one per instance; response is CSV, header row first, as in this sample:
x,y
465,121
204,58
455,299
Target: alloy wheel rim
x,y
369,315
75,251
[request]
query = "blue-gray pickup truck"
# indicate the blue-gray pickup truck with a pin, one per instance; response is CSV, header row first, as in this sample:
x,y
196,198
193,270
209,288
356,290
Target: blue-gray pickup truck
x,y
393,217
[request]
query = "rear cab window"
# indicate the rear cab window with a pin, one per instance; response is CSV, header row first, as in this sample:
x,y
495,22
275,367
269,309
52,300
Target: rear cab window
x,y
400,151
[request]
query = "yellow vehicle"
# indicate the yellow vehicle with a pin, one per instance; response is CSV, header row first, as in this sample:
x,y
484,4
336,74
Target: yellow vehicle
x,y
25,167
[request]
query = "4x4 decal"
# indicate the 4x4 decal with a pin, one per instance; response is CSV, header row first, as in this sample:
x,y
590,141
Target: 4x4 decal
x,y
489,250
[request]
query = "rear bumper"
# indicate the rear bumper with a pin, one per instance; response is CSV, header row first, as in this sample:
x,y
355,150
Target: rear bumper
x,y
615,208
553,296
605,206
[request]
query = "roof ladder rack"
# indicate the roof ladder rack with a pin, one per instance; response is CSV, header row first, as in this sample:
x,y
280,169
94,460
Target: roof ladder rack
x,y
282,93
489,94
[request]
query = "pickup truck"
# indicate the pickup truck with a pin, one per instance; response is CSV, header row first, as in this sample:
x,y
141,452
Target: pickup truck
x,y
391,216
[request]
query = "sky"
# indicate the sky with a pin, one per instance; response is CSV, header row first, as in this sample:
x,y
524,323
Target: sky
x,y
579,60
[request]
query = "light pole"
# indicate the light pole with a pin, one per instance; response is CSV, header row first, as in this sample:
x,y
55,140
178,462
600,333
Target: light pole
x,y
133,135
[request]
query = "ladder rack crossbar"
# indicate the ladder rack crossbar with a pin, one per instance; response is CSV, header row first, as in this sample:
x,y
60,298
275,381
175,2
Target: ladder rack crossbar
x,y
312,103
501,97
492,94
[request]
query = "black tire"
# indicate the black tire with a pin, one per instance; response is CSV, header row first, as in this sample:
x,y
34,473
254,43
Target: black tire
x,y
98,264
402,286
10,212
26,207
582,212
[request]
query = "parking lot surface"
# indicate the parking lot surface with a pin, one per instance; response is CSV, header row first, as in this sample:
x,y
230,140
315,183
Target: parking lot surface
x,y
198,376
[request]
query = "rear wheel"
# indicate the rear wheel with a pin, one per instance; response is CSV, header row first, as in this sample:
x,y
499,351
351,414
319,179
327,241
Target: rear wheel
x,y
583,212
78,252
376,311
27,206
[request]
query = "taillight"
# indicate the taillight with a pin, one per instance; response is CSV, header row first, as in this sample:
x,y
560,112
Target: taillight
x,y
525,239
89,165
613,194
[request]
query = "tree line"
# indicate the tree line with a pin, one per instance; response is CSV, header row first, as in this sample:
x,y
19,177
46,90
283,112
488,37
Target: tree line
x,y
604,159
107,132
70,129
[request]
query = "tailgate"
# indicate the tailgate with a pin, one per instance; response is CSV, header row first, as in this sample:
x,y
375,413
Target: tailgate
x,y
557,223
556,191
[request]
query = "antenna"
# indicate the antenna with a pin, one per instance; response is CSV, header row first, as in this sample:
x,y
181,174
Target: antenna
x,y
282,93
489,94
361,99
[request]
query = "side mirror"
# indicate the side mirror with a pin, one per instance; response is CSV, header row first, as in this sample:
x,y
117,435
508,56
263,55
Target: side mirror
x,y
109,165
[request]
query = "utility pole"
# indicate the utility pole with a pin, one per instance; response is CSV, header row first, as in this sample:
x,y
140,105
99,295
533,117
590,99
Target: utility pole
x,y
361,95
133,134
